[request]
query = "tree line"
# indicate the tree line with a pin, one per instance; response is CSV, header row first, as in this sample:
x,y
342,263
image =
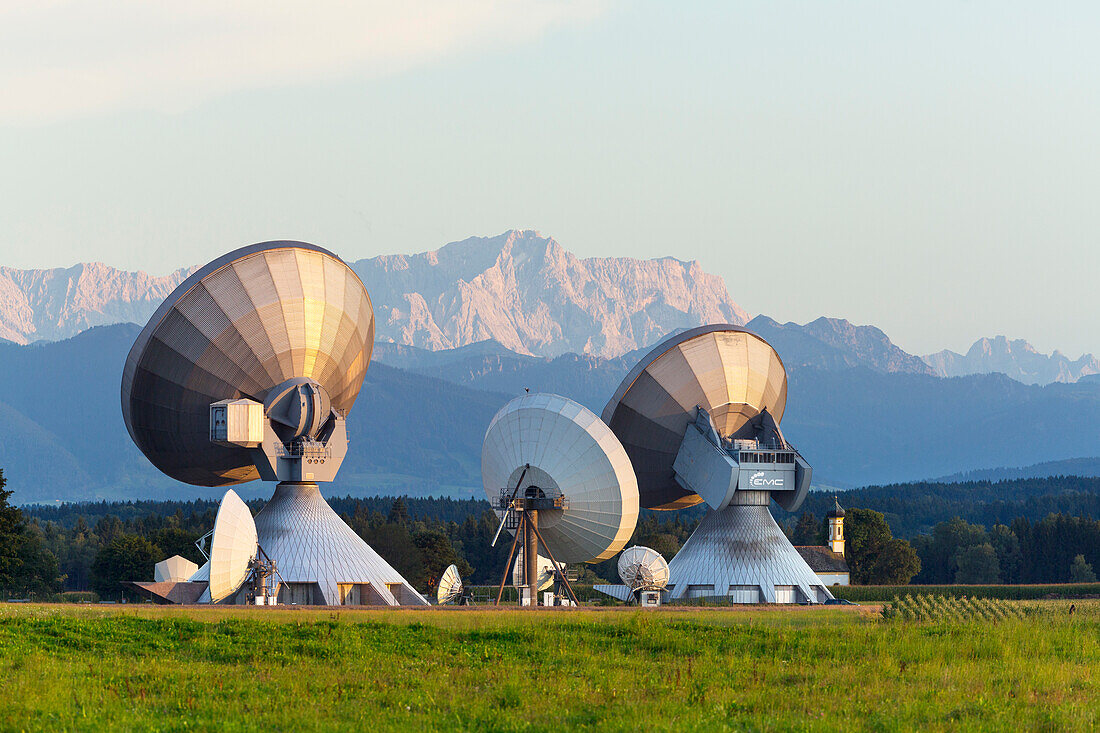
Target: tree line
x,y
916,508
95,546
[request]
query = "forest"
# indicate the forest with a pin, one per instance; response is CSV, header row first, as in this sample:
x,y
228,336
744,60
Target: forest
x,y
971,536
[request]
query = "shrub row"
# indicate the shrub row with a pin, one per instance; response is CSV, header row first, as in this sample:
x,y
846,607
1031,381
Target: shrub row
x,y
885,593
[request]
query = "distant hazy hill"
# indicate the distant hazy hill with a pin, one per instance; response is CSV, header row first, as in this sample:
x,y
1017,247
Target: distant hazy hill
x,y
856,425
62,436
860,427
1018,359
833,343
1071,467
418,429
915,508
590,380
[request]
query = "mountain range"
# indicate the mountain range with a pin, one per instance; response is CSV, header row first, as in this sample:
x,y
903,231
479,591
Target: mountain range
x,y
521,289
1018,359
527,293
48,305
463,329
530,295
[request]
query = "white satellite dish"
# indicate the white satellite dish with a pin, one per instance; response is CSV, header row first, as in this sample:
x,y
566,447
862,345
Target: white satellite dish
x,y
545,572
569,454
232,547
643,569
450,586
559,477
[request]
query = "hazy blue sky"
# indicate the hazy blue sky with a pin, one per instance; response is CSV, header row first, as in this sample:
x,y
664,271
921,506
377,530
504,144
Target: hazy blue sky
x,y
930,168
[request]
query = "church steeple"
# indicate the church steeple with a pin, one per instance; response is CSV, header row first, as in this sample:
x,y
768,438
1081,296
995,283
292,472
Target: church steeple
x,y
836,528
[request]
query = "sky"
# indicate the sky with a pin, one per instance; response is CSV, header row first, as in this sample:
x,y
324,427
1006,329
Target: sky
x,y
929,168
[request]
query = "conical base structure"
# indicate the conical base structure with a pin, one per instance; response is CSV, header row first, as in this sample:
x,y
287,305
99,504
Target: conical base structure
x,y
320,559
740,553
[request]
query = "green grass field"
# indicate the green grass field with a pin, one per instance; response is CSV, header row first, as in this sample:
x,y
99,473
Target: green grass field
x,y
68,667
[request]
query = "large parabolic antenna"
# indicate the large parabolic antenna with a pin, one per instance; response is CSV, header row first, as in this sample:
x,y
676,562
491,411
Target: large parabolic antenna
x,y
699,417
554,462
248,371
246,323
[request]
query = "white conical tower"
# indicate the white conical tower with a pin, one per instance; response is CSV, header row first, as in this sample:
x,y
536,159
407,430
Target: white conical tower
x,y
321,560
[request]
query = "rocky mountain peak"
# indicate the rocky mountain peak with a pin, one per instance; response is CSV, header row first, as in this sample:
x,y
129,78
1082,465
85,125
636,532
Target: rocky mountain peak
x,y
530,294
1014,357
57,303
520,288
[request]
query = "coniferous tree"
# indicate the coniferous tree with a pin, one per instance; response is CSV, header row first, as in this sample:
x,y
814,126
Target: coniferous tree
x,y
26,566
806,530
1007,546
399,513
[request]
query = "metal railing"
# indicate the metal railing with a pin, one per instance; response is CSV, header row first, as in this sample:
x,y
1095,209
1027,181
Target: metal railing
x,y
302,449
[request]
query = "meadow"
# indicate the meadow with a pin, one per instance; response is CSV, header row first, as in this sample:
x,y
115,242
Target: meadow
x,y
139,667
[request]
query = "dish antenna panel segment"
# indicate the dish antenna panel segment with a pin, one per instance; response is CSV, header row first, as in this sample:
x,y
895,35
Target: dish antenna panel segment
x,y
247,371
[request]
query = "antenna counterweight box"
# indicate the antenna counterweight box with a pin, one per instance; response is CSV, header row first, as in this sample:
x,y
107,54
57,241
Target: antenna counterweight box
x,y
237,423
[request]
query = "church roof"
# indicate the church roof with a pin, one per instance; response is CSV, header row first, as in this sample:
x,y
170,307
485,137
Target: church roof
x,y
822,559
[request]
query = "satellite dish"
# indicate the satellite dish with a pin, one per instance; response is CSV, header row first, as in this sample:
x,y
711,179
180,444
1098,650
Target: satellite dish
x,y
232,547
545,572
450,586
552,448
242,327
248,371
733,374
641,568
699,417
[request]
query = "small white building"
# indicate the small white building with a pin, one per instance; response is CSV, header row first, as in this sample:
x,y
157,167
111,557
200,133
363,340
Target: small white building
x,y
174,570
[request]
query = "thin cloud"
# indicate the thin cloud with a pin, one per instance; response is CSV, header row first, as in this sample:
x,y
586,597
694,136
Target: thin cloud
x,y
64,58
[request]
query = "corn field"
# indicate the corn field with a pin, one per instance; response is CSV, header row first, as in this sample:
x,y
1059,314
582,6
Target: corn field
x,y
950,609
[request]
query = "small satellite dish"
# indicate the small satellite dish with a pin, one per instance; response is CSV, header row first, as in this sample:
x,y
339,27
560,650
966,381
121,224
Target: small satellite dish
x,y
450,586
545,572
232,547
173,570
642,568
